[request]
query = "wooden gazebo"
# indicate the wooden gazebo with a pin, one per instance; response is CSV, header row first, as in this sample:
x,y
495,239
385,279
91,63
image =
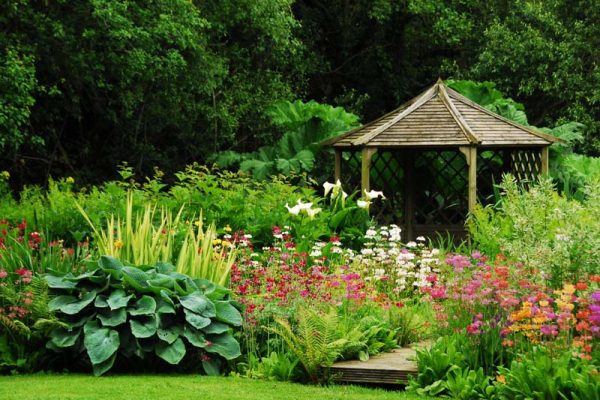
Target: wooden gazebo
x,y
434,157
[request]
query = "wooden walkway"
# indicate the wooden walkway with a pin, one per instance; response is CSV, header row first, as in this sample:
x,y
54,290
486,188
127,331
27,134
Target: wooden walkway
x,y
386,368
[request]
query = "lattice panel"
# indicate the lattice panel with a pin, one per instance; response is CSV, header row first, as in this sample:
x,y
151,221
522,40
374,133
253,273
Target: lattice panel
x,y
351,171
387,175
440,187
491,165
526,165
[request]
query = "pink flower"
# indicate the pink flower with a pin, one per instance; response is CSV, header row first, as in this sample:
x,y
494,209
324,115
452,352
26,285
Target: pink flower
x,y
3,274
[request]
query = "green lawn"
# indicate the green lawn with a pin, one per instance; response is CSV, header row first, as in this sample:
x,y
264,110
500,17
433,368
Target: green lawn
x,y
148,387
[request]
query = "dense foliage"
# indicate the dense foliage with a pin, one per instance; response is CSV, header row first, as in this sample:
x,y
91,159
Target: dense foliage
x,y
84,86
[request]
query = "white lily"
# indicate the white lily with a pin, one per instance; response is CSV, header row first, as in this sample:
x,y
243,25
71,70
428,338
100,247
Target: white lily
x,y
312,212
293,210
373,194
363,204
334,188
303,206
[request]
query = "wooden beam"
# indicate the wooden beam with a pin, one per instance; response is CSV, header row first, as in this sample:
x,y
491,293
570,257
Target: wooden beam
x,y
472,179
471,157
365,170
338,165
545,160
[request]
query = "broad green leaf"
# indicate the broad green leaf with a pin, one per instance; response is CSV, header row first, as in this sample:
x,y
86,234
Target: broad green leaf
x,y
196,320
118,299
228,313
212,367
62,337
104,366
144,306
195,337
143,328
169,334
100,343
59,282
100,301
135,277
195,302
110,263
71,305
163,307
172,353
216,328
224,345
113,317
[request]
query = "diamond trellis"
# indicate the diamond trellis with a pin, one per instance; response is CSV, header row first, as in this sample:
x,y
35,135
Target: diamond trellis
x,y
387,175
351,171
441,183
526,165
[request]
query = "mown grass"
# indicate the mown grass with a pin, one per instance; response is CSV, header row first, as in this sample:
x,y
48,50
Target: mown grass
x,y
175,387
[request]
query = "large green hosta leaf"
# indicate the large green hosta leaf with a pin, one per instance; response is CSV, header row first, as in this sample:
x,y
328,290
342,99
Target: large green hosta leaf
x,y
62,337
144,306
70,304
172,353
100,343
224,345
118,299
144,328
195,302
113,317
228,313
195,320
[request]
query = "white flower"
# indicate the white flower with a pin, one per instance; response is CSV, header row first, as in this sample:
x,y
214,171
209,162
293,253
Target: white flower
x,y
362,204
411,244
312,212
304,206
370,234
420,239
373,194
293,210
366,252
316,253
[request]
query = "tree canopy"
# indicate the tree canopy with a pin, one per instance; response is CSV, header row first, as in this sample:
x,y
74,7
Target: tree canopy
x,y
85,85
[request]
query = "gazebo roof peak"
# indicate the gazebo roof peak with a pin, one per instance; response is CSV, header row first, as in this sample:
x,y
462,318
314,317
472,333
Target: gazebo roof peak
x,y
441,117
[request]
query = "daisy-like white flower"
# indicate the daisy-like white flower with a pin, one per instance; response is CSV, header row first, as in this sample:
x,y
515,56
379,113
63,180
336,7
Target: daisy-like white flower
x,y
373,194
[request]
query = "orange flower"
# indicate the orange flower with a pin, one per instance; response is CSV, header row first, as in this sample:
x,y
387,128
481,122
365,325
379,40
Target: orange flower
x,y
501,379
581,286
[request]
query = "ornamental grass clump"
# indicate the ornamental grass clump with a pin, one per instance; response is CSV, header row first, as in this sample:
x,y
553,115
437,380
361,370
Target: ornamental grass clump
x,y
150,237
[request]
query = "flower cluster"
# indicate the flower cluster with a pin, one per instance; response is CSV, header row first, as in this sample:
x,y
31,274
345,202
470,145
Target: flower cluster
x,y
397,268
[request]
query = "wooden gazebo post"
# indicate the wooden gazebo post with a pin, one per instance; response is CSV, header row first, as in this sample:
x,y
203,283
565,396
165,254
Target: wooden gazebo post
x,y
471,156
365,169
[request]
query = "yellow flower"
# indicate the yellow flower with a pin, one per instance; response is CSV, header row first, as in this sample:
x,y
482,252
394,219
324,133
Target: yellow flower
x,y
227,228
118,244
216,242
4,175
568,289
226,243
70,180
544,303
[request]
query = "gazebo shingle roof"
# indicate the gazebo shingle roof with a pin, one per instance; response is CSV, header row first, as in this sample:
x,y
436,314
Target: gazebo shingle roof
x,y
441,117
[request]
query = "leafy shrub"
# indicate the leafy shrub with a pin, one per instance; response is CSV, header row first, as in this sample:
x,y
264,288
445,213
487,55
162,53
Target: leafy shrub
x,y
434,365
543,375
142,312
544,230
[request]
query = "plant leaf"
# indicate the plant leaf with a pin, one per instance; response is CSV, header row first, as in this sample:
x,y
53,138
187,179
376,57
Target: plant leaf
x,y
100,343
172,353
118,299
228,313
144,306
196,320
113,317
143,328
224,345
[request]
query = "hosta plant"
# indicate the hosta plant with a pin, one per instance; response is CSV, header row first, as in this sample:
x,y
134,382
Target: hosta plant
x,y
142,313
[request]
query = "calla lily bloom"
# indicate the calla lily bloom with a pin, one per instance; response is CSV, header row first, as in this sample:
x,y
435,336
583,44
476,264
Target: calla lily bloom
x,y
363,204
334,188
373,194
312,212
293,210
304,206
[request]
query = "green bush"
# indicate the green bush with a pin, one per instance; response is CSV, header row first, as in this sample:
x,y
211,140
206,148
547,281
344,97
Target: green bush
x,y
542,375
543,229
142,312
